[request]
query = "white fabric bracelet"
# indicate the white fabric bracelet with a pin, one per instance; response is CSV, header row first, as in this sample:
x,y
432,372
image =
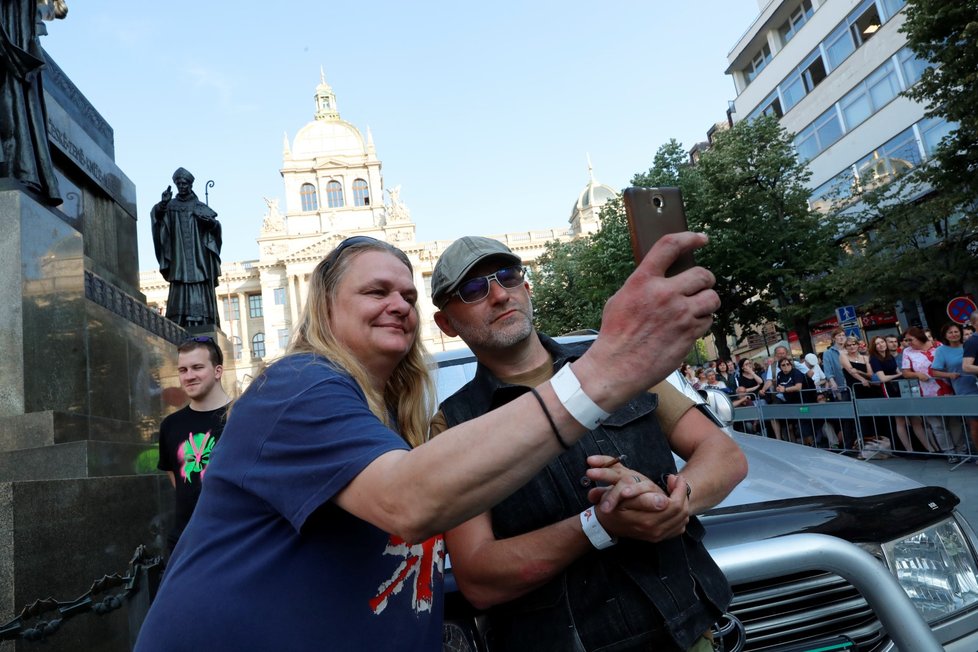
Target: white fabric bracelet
x,y
595,533
570,394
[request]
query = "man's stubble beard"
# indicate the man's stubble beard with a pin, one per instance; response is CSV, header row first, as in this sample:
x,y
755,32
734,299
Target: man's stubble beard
x,y
487,336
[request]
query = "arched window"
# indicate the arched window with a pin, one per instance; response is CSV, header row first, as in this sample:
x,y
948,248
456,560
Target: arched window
x,y
361,194
334,194
307,193
258,345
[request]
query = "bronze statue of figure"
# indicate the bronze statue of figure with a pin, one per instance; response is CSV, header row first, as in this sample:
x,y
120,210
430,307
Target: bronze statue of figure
x,y
187,239
24,149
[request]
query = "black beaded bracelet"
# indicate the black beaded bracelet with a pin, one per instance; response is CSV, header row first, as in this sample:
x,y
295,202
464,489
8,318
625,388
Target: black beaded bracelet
x,y
553,426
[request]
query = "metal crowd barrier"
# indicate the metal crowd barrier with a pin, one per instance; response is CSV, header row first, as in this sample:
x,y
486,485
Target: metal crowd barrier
x,y
849,415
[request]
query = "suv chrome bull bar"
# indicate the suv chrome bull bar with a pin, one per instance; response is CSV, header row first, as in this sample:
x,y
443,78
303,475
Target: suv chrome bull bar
x,y
789,554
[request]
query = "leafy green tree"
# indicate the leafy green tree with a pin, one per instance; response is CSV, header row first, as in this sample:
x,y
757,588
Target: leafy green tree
x,y
669,167
768,249
946,35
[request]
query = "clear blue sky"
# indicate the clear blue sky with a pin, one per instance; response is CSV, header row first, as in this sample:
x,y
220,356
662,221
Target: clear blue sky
x,y
483,113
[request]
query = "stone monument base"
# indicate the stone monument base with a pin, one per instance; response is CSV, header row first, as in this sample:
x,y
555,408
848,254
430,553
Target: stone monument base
x,y
83,371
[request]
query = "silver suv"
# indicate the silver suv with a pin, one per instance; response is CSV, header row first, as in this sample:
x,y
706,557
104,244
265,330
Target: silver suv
x,y
792,539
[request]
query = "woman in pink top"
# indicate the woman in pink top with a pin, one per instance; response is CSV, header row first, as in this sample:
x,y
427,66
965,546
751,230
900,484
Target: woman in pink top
x,y
916,366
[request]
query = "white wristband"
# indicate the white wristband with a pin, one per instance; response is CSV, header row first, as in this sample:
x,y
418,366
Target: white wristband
x,y
570,394
596,534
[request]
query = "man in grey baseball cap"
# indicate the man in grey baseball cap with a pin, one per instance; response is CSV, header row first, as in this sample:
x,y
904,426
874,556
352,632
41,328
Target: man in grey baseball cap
x,y
544,561
459,259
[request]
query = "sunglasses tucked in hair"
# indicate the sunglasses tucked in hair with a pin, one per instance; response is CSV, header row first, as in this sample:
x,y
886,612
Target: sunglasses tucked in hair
x,y
476,289
350,242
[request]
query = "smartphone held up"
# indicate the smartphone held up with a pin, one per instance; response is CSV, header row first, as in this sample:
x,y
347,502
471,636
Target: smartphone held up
x,y
652,213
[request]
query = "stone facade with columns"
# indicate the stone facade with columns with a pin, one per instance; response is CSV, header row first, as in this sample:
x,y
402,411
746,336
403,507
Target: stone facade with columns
x,y
334,188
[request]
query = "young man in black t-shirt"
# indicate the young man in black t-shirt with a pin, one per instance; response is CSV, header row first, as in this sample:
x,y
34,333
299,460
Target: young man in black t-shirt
x,y
187,436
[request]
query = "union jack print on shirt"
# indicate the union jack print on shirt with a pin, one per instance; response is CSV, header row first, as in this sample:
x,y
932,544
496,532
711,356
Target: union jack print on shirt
x,y
422,561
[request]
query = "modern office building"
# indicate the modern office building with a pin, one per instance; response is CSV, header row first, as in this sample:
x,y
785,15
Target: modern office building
x,y
833,71
334,188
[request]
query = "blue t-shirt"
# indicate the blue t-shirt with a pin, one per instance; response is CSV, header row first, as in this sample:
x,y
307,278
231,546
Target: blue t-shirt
x,y
267,561
949,359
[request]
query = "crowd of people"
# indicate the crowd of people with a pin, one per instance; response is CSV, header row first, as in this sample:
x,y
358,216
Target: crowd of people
x,y
911,364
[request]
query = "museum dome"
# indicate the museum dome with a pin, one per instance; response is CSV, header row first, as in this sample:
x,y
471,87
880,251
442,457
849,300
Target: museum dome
x,y
327,134
594,194
328,138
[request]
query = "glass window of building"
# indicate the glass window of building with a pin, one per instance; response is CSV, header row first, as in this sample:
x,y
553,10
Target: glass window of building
x,y
866,23
883,85
856,107
903,151
254,305
888,161
869,96
838,46
833,192
258,345
236,346
932,130
819,135
361,193
795,21
283,338
771,105
828,128
858,27
308,198
232,308
803,80
278,295
334,194
890,7
758,63
912,67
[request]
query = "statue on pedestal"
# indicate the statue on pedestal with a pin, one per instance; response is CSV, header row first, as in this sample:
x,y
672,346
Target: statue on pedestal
x,y
187,239
24,150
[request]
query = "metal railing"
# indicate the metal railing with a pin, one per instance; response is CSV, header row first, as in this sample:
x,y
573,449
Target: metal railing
x,y
868,425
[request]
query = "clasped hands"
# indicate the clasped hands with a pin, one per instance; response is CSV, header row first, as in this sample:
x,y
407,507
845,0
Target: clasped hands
x,y
632,506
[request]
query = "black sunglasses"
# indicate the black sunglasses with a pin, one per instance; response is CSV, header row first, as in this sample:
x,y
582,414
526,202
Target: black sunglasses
x,y
476,289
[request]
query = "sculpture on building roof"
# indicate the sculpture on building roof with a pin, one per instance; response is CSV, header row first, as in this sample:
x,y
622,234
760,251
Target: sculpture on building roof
x,y
273,221
24,149
187,239
396,210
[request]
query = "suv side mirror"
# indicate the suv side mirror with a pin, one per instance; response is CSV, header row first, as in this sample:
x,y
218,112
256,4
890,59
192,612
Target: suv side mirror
x,y
720,404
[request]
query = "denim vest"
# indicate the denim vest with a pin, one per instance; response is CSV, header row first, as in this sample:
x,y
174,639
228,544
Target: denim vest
x,y
632,596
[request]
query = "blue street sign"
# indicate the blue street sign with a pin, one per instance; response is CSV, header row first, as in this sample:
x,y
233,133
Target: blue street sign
x,y
846,314
853,331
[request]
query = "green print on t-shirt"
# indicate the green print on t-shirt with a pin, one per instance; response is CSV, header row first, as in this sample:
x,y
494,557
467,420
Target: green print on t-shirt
x,y
195,455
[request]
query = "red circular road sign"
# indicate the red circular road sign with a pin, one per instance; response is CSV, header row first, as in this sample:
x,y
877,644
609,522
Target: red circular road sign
x,y
960,308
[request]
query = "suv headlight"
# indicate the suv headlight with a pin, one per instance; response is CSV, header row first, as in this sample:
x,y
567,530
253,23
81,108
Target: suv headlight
x,y
936,568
